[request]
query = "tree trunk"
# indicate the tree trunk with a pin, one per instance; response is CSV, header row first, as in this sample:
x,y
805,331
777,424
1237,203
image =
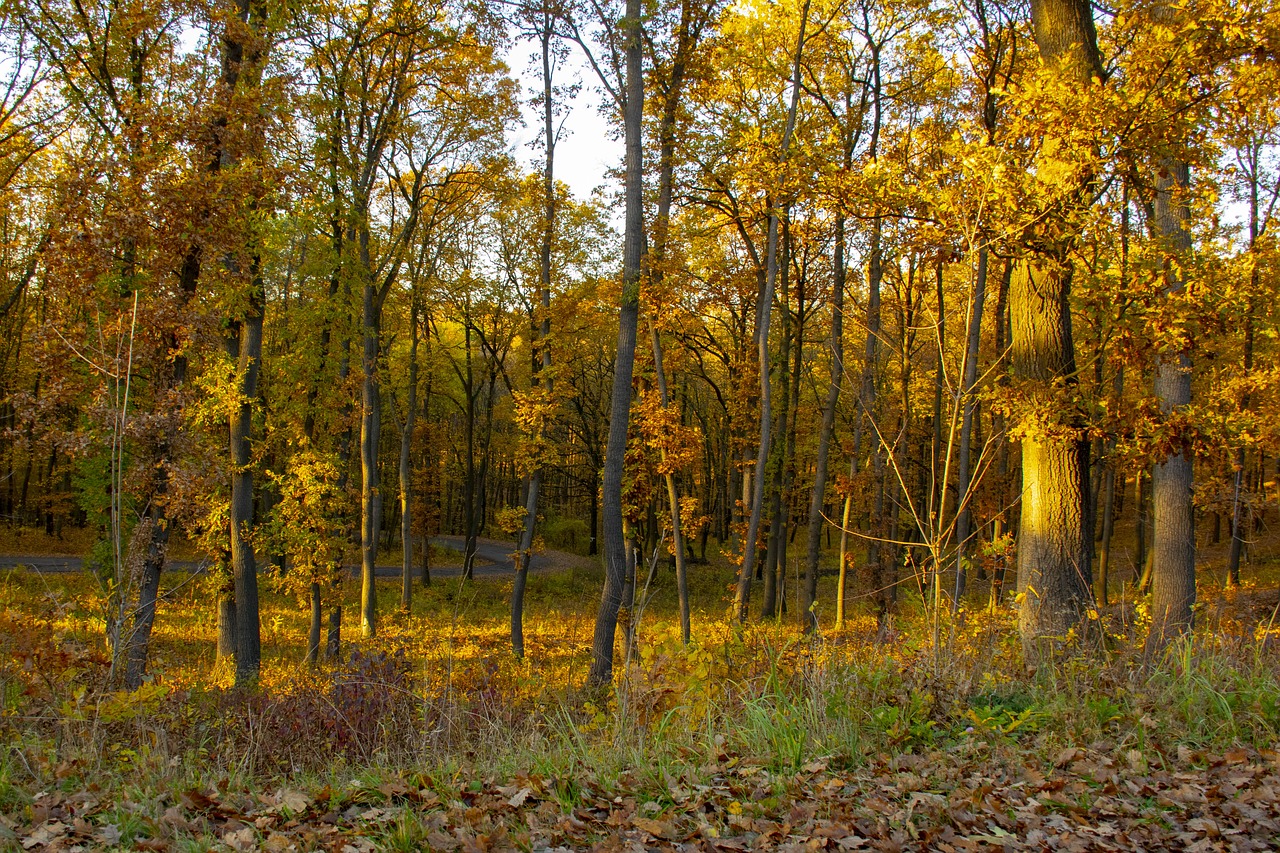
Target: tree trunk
x,y
317,617
1108,529
687,35
775,561
244,567
970,377
226,624
406,470
1173,545
764,312
369,438
818,498
1054,545
615,545
540,367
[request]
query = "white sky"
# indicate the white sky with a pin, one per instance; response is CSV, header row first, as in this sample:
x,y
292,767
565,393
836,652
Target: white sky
x,y
586,150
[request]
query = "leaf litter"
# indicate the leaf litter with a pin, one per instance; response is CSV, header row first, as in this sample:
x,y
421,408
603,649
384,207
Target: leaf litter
x,y
969,797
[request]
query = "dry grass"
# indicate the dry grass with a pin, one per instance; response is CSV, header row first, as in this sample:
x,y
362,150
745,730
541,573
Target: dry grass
x,y
438,690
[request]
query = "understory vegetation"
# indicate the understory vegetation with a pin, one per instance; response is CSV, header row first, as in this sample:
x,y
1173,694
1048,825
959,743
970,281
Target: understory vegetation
x,y
433,735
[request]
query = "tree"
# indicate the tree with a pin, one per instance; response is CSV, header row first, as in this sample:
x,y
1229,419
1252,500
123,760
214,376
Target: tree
x,y
1054,544
615,558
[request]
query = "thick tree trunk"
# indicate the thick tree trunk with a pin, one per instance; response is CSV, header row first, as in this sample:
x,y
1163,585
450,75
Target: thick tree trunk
x,y
226,624
1054,545
144,614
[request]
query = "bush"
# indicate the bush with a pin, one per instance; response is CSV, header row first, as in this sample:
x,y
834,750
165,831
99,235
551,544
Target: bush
x,y
567,534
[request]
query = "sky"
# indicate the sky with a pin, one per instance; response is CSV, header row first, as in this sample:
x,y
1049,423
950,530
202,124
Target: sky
x,y
586,150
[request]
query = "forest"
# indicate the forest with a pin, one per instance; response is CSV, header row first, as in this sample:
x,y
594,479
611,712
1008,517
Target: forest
x,y
886,449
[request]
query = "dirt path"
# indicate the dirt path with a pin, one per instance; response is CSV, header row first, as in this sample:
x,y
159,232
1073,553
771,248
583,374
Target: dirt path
x,y
493,559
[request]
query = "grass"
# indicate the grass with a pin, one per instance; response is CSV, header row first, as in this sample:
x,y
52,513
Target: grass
x,y
438,699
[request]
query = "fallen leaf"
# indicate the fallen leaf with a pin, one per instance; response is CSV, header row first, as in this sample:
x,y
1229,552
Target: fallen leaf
x,y
656,828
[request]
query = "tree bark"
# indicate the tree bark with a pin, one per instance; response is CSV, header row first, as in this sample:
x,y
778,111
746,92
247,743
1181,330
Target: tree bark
x,y
615,543
1054,544
1173,545
244,567
541,368
406,468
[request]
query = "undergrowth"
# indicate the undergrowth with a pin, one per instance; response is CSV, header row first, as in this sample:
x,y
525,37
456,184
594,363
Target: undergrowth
x,y
438,695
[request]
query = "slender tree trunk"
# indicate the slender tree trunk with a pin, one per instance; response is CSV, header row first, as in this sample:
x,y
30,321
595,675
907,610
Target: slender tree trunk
x,y
615,545
406,469
1173,546
970,378
244,567
317,618
817,500
764,312
1238,461
1108,529
1142,499
774,560
370,429
687,35
469,495
673,501
541,369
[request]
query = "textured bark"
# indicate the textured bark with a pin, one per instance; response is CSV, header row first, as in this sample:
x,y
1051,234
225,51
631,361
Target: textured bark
x,y
244,567
1054,543
317,619
615,545
144,613
226,624
1054,546
1173,545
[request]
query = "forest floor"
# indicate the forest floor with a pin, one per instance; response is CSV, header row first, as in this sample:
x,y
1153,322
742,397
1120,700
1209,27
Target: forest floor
x,y
925,733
